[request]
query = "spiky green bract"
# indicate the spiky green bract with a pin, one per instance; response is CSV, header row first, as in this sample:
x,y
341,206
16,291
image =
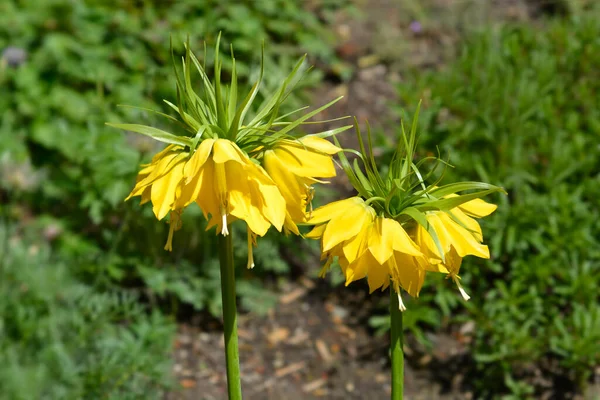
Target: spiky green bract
x,y
219,111
404,193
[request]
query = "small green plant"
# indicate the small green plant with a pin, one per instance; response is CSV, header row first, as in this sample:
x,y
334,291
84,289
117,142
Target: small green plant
x,y
63,338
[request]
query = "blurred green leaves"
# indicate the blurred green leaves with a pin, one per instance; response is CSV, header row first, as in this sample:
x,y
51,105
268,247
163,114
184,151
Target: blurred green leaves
x,y
72,333
81,59
62,338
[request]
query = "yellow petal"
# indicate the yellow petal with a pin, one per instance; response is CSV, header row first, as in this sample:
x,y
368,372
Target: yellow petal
x,y
198,158
147,170
263,187
207,198
288,184
347,225
304,161
143,191
381,239
478,208
430,248
378,276
430,259
320,144
343,265
160,168
462,240
146,195
165,151
316,232
436,268
358,269
471,224
408,272
289,225
163,191
356,246
244,199
453,262
399,238
243,208
332,210
191,186
225,150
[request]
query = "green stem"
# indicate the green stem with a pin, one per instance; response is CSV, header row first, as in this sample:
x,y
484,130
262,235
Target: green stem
x,y
396,347
234,387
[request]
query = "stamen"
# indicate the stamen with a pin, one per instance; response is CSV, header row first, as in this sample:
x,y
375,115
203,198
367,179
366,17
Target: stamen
x,y
401,305
224,230
250,255
174,225
462,291
169,245
222,193
326,267
310,195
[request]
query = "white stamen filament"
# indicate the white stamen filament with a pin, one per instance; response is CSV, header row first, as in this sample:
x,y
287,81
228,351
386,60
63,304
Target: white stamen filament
x,y
462,291
401,305
221,178
224,230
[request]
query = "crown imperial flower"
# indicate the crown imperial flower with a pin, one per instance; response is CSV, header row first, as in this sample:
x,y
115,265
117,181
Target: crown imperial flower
x,y
234,166
398,228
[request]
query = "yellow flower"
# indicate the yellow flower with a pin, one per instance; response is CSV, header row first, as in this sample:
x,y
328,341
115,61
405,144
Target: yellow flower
x,y
294,166
398,227
368,245
380,249
458,234
228,185
221,179
218,157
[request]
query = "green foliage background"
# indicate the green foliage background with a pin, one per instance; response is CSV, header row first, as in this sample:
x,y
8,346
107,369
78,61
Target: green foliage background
x,y
64,339
83,275
85,58
520,109
62,166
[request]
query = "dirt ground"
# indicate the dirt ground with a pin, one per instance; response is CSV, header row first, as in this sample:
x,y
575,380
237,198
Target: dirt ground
x,y
316,343
308,347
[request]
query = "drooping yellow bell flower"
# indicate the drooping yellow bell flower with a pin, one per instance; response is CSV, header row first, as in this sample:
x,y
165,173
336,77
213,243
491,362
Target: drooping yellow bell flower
x,y
221,179
295,165
226,184
459,235
368,245
159,182
218,161
398,228
216,158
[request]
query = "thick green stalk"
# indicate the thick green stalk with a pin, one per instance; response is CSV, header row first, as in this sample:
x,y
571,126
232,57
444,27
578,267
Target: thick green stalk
x,y
396,348
234,387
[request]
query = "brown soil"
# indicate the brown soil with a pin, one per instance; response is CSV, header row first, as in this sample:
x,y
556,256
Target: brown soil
x,y
309,347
